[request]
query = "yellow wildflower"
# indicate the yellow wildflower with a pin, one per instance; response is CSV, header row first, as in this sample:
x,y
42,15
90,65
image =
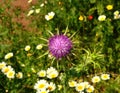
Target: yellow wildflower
x,y
81,18
29,54
109,7
51,86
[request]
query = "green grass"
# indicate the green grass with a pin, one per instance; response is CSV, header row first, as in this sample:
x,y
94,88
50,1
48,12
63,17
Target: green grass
x,y
96,44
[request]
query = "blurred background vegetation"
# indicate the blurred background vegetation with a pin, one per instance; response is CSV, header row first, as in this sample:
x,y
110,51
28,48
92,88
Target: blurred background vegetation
x,y
96,44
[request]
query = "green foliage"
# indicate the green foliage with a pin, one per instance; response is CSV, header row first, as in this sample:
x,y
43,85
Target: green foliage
x,y
96,44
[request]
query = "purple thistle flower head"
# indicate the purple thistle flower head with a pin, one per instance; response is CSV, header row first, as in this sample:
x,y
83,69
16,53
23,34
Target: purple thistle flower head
x,y
59,45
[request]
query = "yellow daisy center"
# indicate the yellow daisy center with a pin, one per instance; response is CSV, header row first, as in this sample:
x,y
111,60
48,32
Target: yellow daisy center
x,y
80,87
41,86
89,90
6,70
11,74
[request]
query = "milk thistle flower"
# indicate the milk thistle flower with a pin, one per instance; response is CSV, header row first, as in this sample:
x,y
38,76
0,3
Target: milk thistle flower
x,y
59,45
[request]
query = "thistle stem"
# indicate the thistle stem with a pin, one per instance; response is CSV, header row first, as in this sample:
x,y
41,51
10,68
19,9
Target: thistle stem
x,y
44,39
43,54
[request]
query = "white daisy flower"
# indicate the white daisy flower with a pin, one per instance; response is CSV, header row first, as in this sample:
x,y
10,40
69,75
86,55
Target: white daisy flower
x,y
80,87
86,84
41,73
40,46
117,16
102,18
3,64
37,10
52,73
10,74
42,5
90,89
96,79
41,85
51,86
27,48
49,16
116,12
72,83
42,91
50,56
8,55
19,75
6,69
30,12
105,76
